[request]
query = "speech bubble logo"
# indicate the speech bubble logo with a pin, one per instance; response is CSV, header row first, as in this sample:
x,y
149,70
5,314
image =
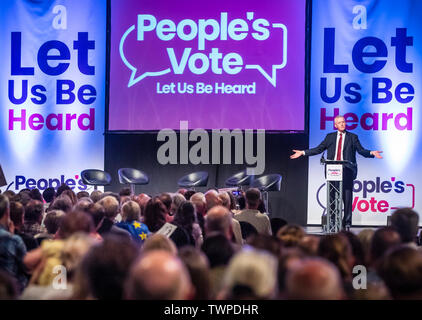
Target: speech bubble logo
x,y
273,78
133,79
270,76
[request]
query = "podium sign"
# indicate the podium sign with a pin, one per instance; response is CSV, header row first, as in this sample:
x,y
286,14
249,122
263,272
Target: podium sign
x,y
334,172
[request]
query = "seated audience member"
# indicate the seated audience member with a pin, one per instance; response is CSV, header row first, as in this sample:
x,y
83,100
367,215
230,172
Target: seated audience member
x,y
309,245
17,212
95,196
23,197
8,287
82,194
266,243
188,194
131,222
48,195
188,231
9,194
158,275
290,235
212,199
73,250
111,209
365,238
219,250
357,249
166,200
233,203
61,189
198,200
198,267
219,219
176,200
314,279
155,214
251,274
12,248
35,194
405,221
42,261
104,269
401,270
277,224
337,249
237,233
71,195
251,214
62,203
52,223
124,194
34,212
82,204
159,242
287,260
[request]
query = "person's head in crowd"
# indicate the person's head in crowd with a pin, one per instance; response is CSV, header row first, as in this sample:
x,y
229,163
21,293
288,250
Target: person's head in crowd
x,y
73,222
49,194
314,279
309,244
71,195
212,199
266,243
8,287
53,220
158,275
111,207
261,206
82,194
182,191
287,260
159,242
251,274
24,197
253,197
74,249
125,194
357,249
365,238
185,216
219,219
198,199
218,249
95,195
290,235
97,213
155,214
188,194
9,194
131,211
401,270
176,201
34,211
62,188
82,204
4,210
383,240
337,249
104,269
225,199
232,201
35,194
277,224
199,271
17,213
62,203
166,200
405,221
111,194
241,201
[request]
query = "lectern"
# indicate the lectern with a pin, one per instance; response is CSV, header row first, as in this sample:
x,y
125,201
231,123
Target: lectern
x,y
334,180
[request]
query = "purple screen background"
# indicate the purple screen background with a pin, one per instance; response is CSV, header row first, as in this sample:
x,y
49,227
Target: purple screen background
x,y
139,107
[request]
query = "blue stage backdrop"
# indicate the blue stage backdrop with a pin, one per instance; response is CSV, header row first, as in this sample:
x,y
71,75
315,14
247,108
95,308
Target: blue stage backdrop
x,y
52,82
366,65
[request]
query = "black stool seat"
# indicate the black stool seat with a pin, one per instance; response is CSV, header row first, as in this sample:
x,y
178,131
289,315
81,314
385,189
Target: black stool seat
x,y
132,176
270,182
239,179
194,179
95,177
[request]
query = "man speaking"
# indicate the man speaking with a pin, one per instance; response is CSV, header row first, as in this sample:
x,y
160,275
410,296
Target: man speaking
x,y
342,145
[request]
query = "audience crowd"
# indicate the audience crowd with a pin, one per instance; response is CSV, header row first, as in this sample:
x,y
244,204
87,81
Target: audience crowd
x,y
192,245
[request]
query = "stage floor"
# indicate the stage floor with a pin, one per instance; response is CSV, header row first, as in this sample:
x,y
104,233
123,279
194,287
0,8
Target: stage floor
x,y
317,230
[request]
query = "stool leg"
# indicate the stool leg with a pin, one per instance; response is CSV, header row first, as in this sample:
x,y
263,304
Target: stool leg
x,y
95,187
265,196
132,189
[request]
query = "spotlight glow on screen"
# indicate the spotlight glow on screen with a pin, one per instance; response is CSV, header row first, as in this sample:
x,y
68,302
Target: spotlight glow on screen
x,y
215,64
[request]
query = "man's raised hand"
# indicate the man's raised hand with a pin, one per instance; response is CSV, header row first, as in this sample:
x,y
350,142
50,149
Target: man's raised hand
x,y
297,154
